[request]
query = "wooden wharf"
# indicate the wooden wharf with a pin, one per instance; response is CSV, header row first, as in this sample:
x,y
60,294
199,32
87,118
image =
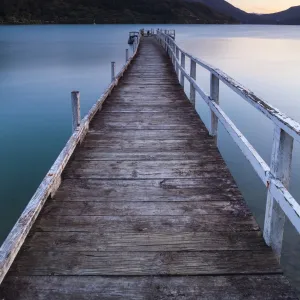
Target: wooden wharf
x,y
141,205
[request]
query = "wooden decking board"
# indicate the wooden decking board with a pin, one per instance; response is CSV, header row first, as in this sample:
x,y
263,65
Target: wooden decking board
x,y
146,224
144,135
147,288
136,242
147,208
135,208
144,169
133,263
208,188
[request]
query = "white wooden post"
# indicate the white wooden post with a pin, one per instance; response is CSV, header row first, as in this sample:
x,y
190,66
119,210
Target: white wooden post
x,y
281,161
177,58
167,49
127,55
75,102
182,65
113,64
214,95
171,49
193,75
133,46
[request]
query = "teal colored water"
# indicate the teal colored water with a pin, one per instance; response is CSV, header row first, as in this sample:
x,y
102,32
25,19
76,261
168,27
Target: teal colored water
x,y
41,65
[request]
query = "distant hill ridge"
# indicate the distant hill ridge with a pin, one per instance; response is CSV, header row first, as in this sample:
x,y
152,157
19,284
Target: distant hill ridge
x,y
289,16
109,11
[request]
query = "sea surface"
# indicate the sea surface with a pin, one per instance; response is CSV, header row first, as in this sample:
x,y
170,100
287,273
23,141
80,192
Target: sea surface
x,y
41,64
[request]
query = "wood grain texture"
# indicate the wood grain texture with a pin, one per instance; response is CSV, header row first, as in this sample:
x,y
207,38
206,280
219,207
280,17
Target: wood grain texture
x,y
146,196
145,169
97,263
209,187
147,288
134,208
148,224
196,241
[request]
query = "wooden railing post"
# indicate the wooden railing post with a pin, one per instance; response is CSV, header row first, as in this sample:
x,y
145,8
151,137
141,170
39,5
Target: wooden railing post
x,y
113,64
133,46
173,51
214,95
182,61
127,55
281,161
75,102
166,45
177,58
193,75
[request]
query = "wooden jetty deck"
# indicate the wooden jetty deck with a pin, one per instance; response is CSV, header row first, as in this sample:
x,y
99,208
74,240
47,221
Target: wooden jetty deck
x,y
147,208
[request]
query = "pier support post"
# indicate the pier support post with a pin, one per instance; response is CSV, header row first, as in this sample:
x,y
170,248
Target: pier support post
x,y
193,75
183,66
177,59
113,65
214,95
281,161
75,102
127,55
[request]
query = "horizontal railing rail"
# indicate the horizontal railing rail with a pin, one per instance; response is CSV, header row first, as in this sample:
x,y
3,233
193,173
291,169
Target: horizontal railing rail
x,y
276,177
52,180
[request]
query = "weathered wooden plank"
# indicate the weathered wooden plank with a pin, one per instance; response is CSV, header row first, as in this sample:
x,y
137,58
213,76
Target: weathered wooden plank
x,y
145,263
151,99
204,149
121,134
142,124
151,89
146,224
92,154
211,187
93,241
147,190
144,288
180,118
135,208
144,169
126,108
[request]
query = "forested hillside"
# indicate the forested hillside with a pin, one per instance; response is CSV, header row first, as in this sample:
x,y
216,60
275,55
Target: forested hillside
x,y
108,11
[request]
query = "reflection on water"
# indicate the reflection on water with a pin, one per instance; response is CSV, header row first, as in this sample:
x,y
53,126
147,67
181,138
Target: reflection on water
x,y
41,65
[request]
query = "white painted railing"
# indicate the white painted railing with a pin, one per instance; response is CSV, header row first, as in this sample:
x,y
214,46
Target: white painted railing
x,y
276,177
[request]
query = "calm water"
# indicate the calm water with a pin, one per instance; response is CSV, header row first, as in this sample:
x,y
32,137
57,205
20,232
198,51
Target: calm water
x,y
41,65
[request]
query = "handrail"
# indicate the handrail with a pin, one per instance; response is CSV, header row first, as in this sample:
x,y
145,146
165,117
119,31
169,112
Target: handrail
x,y
52,180
276,177
286,123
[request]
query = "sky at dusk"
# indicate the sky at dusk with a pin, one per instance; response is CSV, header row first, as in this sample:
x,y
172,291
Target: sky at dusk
x,y
264,6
